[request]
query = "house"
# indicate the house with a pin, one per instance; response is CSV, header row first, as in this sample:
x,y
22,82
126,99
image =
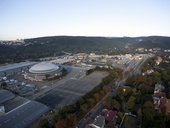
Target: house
x,y
158,88
140,49
164,102
159,94
109,115
99,122
159,60
148,72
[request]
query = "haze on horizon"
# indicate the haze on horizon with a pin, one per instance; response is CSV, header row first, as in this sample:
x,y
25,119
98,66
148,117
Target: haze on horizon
x,y
37,18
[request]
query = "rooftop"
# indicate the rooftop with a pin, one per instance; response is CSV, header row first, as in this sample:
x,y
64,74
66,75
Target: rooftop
x,y
43,67
5,96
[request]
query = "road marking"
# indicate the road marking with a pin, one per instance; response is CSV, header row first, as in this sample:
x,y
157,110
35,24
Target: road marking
x,y
17,107
7,121
80,94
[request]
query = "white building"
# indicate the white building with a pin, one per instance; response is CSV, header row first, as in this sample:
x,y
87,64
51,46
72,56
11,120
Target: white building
x,y
42,71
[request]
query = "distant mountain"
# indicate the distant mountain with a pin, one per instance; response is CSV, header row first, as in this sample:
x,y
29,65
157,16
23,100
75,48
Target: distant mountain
x,y
51,46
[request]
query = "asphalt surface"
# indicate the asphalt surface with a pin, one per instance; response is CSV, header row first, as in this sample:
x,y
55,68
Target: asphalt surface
x,y
23,116
67,91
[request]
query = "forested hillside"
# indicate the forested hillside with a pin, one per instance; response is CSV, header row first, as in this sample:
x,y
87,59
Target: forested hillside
x,y
52,46
153,42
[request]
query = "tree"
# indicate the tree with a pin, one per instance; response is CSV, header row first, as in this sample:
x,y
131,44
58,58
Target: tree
x,y
116,105
4,85
134,91
91,102
130,103
148,113
127,92
71,120
61,124
80,101
84,108
120,117
130,81
148,110
106,89
163,110
119,93
110,125
139,116
102,93
148,104
97,97
108,102
43,123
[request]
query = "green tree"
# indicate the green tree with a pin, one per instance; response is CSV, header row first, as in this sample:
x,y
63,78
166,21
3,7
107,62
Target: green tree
x,y
127,92
148,113
148,110
116,104
108,102
119,93
120,117
130,103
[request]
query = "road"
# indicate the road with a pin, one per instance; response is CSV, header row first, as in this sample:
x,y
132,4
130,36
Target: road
x,y
98,108
23,116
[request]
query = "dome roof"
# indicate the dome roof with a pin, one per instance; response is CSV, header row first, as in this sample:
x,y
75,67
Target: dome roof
x,y
43,67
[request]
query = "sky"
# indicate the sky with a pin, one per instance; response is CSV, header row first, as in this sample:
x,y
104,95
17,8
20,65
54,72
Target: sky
x,y
21,19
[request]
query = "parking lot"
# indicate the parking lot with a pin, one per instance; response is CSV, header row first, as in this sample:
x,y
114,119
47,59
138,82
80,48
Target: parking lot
x,y
71,90
63,91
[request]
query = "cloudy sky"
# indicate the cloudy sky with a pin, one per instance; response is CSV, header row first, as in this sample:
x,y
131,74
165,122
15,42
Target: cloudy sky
x,y
36,18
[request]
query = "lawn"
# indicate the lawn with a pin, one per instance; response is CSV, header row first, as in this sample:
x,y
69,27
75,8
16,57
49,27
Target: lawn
x,y
129,122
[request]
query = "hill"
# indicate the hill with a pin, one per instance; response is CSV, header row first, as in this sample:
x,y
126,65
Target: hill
x,y
52,46
153,42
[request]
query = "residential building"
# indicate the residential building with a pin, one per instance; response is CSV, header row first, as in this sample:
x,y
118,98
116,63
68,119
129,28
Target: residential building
x,y
99,122
109,115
